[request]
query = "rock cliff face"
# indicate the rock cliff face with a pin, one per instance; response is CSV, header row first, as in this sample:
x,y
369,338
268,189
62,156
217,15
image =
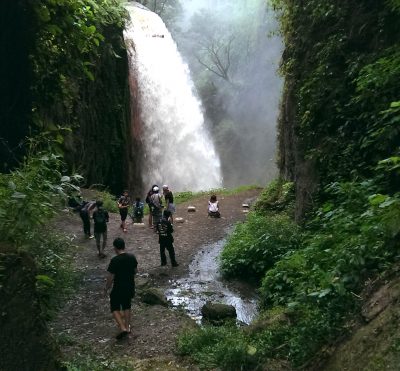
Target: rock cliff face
x,y
25,342
134,153
106,144
102,145
333,126
292,164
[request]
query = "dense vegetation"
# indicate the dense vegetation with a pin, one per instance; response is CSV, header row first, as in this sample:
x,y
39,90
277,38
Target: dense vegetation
x,y
339,132
75,85
65,77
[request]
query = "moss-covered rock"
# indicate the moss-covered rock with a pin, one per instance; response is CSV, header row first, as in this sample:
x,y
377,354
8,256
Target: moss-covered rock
x,y
153,296
216,312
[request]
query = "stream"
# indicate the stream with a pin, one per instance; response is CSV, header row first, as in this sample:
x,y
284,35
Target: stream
x,y
205,283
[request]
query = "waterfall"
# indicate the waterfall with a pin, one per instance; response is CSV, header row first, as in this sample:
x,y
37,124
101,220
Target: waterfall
x,y
178,150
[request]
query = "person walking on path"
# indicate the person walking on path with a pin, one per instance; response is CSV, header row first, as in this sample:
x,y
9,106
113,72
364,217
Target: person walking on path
x,y
100,218
123,204
213,207
156,207
121,276
166,240
84,212
169,201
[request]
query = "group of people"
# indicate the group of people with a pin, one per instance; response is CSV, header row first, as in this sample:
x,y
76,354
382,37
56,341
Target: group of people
x,y
123,266
155,202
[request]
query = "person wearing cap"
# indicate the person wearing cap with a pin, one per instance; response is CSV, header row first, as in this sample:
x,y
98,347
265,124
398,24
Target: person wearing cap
x,y
169,201
156,206
148,202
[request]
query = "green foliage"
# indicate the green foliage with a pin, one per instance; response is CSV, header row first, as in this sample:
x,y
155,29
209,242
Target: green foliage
x,y
67,47
181,197
109,201
337,57
28,196
278,196
224,347
79,81
100,363
258,244
265,238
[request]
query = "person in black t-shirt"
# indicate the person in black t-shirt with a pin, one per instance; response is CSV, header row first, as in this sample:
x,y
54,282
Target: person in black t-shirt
x,y
123,204
100,218
121,275
169,200
165,239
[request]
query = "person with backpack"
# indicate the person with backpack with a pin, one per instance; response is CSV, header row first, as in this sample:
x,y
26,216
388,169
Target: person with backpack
x,y
100,218
213,207
156,206
123,204
165,239
169,201
148,202
138,211
84,212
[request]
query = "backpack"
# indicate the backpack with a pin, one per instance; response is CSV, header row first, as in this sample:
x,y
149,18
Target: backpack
x,y
99,217
138,210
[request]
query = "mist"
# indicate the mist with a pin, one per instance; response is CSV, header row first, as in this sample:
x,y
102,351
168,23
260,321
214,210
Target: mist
x,y
241,104
233,53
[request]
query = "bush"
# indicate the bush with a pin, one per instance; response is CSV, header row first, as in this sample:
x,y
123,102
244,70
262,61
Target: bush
x,y
254,247
224,347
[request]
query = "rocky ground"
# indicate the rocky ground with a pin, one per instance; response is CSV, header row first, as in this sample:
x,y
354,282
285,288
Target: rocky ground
x,y
85,323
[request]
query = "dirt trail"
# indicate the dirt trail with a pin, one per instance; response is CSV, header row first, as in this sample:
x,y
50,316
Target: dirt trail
x,y
85,320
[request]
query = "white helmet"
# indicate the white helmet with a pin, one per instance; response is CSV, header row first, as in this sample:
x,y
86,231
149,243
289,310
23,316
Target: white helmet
x,y
155,189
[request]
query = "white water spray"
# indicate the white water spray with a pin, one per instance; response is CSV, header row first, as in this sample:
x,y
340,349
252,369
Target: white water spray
x,y
178,150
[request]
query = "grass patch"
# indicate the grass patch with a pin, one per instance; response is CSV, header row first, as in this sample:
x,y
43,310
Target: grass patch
x,y
181,197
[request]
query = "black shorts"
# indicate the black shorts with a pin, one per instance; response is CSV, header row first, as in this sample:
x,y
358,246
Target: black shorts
x,y
124,213
120,301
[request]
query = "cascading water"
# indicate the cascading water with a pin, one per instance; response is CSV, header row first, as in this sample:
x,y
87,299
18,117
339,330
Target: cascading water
x,y
178,151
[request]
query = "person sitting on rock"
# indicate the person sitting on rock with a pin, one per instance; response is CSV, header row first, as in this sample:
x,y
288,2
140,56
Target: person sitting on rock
x,y
213,207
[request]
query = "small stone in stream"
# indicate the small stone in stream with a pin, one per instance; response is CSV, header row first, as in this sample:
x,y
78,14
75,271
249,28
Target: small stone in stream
x,y
191,209
179,220
245,206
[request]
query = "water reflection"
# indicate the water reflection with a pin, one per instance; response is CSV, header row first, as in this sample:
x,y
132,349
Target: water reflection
x,y
205,283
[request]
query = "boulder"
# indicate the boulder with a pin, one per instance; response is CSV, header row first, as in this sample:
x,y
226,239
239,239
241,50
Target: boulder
x,y
153,296
179,220
216,312
191,209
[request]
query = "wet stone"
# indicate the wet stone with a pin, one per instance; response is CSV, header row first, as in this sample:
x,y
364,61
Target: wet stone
x,y
154,296
216,312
